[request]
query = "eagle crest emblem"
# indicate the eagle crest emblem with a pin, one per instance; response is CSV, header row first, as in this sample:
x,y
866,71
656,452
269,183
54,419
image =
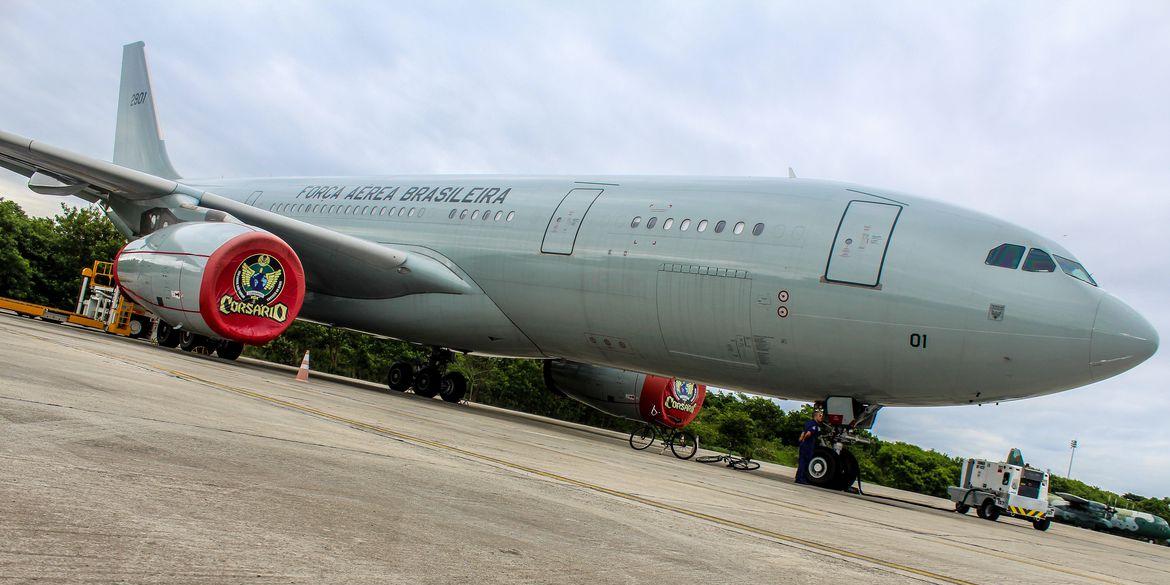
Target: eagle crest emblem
x,y
259,279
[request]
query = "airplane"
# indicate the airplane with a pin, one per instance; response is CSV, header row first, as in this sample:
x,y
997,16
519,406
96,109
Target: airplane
x,y
852,296
1078,511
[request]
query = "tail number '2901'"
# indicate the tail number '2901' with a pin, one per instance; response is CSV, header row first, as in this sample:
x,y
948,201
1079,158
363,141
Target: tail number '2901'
x,y
138,98
918,340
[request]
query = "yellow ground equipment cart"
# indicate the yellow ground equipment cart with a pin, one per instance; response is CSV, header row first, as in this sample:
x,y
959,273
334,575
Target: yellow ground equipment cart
x,y
100,305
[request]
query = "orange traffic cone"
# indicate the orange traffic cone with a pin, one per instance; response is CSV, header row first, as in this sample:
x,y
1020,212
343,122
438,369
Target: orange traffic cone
x,y
303,373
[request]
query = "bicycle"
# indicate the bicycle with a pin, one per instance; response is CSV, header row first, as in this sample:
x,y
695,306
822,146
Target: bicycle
x,y
740,463
683,444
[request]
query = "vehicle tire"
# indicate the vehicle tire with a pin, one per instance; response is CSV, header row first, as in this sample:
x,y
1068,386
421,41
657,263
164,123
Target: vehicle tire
x,y
191,341
167,336
453,387
744,464
642,437
710,458
962,508
137,328
847,471
988,510
427,382
400,376
229,350
1042,525
683,444
822,468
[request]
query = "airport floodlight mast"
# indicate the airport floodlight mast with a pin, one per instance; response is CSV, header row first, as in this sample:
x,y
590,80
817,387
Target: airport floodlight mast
x,y
1072,445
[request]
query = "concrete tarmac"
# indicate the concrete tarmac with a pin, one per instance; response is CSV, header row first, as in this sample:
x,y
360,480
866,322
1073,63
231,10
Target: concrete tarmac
x,y
124,463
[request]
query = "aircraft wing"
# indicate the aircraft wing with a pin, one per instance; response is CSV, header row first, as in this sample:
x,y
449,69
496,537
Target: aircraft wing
x,y
335,264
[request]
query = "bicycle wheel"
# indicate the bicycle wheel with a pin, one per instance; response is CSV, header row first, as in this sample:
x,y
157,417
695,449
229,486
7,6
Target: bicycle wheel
x,y
642,437
744,464
711,458
683,444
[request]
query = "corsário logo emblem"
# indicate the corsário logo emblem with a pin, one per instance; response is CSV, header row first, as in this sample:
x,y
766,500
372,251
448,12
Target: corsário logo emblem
x,y
682,396
258,282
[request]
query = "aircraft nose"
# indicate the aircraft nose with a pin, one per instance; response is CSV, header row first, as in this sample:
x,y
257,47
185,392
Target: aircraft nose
x,y
1121,339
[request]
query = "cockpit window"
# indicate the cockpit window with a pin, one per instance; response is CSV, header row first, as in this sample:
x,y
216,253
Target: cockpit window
x,y
1005,256
1074,269
1039,261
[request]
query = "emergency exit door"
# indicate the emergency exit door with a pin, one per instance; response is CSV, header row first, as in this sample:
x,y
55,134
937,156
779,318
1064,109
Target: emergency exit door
x,y
561,234
863,236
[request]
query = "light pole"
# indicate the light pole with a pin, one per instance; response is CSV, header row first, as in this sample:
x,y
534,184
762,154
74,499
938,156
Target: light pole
x,y
1073,446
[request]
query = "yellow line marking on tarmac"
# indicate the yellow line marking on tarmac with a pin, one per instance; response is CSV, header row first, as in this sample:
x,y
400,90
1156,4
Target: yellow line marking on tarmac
x,y
808,544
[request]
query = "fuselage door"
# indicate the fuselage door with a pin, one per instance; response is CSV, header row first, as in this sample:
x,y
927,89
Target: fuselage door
x,y
561,233
859,250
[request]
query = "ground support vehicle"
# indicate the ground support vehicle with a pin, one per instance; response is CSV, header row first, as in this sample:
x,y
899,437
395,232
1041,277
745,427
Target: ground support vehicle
x,y
994,488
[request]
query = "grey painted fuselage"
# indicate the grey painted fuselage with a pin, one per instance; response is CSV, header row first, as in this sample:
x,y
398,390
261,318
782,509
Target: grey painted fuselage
x,y
767,313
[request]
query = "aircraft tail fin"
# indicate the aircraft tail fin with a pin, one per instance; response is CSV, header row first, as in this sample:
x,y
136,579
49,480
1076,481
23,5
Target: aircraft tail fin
x,y
138,142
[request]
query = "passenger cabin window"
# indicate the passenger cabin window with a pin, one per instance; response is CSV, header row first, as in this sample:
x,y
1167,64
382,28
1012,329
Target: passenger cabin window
x,y
685,225
738,228
702,227
1074,269
636,221
719,226
1005,256
650,223
668,223
758,229
1039,261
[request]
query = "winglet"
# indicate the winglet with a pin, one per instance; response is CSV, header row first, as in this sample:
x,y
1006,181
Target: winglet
x,y
791,173
138,142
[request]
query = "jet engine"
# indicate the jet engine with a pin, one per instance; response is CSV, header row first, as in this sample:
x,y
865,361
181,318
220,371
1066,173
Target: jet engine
x,y
223,280
631,395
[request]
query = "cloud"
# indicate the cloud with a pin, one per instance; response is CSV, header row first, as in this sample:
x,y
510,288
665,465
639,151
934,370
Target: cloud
x,y
1050,114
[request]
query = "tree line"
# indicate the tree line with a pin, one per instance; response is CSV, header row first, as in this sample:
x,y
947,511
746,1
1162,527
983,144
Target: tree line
x,y
43,258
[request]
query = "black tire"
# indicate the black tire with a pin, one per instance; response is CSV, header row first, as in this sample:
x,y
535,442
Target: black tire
x,y
847,471
167,336
400,377
427,382
744,464
988,510
822,468
229,350
138,328
642,437
453,387
1042,525
962,508
710,458
684,444
191,341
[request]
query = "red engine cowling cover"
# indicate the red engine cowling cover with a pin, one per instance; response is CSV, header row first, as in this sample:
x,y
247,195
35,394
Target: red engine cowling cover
x,y
233,299
671,402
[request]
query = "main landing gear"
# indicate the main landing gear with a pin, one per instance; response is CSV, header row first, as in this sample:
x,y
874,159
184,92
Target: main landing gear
x,y
832,465
168,336
428,379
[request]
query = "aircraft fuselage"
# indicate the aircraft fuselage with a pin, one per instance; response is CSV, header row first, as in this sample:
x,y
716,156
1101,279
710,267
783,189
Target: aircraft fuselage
x,y
844,290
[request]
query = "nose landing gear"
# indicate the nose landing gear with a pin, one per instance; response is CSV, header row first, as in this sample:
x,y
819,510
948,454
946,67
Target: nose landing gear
x,y
832,466
429,380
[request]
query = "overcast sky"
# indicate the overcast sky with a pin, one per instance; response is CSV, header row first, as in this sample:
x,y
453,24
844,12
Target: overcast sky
x,y
1055,116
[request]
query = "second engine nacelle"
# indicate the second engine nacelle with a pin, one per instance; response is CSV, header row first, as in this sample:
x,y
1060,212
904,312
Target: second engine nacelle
x,y
223,280
631,395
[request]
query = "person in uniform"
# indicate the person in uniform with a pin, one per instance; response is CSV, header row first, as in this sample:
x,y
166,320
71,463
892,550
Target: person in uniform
x,y
808,442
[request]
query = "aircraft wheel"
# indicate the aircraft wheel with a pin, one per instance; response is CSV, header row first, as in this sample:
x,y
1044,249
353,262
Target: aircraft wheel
x,y
229,350
847,471
1042,525
191,341
427,382
988,510
822,468
962,508
167,336
400,376
453,387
